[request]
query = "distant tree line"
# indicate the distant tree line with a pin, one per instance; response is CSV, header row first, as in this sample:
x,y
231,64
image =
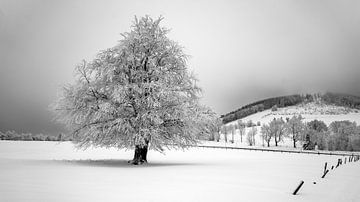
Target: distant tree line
x,y
342,100
262,105
339,135
290,100
12,135
240,126
275,130
231,129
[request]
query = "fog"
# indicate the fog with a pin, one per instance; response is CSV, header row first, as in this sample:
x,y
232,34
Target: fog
x,y
241,51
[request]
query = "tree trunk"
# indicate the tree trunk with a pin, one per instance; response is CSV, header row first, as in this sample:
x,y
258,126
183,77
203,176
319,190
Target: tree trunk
x,y
268,143
294,142
276,142
140,154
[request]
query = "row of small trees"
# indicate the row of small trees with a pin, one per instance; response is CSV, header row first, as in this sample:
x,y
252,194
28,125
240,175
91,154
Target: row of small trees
x,y
278,129
339,135
12,135
239,125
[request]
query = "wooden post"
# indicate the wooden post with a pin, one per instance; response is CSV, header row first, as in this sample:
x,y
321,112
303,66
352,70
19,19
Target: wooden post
x,y
325,167
339,163
298,187
326,172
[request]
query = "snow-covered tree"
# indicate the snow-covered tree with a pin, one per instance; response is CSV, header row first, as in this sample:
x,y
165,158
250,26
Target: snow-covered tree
x,y
317,125
225,131
295,127
277,130
217,129
249,123
138,94
241,127
251,136
232,131
266,133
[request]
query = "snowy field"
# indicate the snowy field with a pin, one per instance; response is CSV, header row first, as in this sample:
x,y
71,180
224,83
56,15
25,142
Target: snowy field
x,y
48,171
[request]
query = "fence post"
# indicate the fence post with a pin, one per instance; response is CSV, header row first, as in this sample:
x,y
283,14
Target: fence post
x,y
298,187
326,172
339,163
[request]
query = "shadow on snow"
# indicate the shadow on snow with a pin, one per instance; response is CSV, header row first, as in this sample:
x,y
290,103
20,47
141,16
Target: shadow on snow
x,y
117,163
123,163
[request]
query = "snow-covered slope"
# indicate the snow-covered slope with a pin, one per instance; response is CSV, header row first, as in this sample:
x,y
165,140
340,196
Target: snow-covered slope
x,y
49,171
309,111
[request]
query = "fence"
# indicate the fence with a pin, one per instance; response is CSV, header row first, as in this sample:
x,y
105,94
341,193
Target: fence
x,y
350,156
282,150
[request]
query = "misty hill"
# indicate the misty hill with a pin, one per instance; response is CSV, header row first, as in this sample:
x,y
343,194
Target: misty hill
x,y
329,109
309,111
311,104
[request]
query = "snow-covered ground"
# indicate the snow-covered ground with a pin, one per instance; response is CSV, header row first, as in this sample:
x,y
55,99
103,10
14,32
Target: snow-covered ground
x,y
48,171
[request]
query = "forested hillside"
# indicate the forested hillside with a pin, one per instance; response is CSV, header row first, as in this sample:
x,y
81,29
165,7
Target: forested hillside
x,y
262,105
337,99
342,100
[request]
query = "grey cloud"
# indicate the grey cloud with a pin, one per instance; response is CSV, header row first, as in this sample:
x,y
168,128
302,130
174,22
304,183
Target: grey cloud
x,y
242,51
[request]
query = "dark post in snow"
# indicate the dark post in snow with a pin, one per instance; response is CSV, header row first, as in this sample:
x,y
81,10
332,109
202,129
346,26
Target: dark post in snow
x,y
298,187
339,163
325,170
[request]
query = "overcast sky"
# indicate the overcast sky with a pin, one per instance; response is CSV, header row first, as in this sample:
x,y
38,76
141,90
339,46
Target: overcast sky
x,y
242,51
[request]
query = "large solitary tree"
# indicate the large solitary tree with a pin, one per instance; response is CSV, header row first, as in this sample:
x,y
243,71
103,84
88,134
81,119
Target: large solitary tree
x,y
138,94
